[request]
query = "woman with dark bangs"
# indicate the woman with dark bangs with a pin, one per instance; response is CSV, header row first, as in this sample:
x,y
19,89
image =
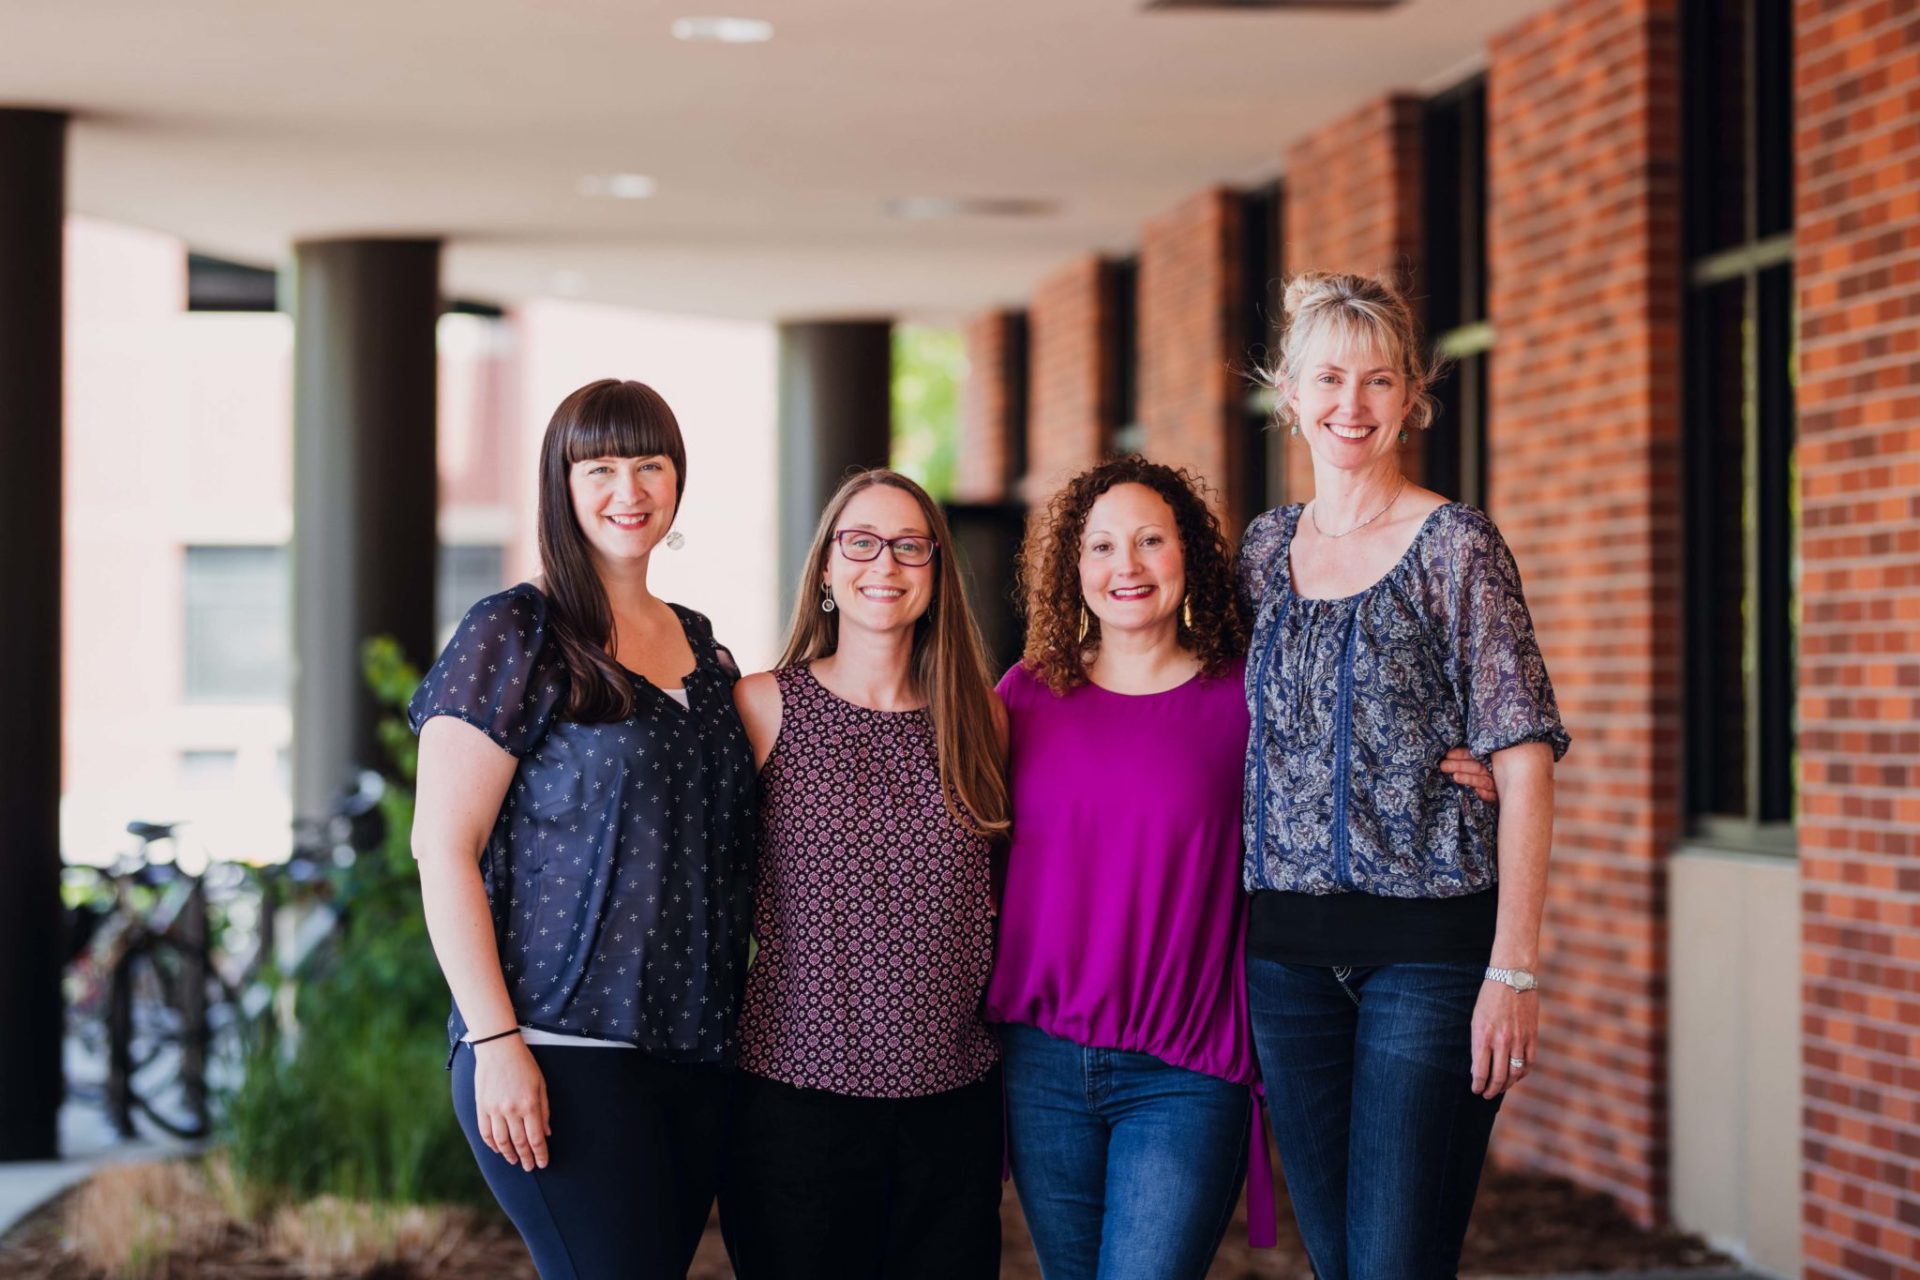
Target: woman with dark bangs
x,y
583,828
867,1109
1120,976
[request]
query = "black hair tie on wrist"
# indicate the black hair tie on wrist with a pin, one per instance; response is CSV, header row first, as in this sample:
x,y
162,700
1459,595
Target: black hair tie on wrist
x,y
498,1035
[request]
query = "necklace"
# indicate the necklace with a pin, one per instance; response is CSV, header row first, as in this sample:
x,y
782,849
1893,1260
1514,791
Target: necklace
x,y
1315,515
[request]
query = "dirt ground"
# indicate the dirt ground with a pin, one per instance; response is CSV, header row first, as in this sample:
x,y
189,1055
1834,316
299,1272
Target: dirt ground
x,y
1524,1224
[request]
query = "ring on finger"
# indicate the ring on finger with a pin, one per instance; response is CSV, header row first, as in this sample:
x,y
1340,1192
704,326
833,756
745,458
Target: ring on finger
x,y
1518,1064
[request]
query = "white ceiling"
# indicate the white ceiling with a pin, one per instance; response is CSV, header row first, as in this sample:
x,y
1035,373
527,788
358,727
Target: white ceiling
x,y
244,125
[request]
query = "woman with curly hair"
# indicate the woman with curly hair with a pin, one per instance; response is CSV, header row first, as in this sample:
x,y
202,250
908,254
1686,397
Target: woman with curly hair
x,y
1129,1064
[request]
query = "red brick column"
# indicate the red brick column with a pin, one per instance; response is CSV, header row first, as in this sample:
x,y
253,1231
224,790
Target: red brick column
x,y
1072,407
1584,452
988,415
1353,204
1858,269
1193,360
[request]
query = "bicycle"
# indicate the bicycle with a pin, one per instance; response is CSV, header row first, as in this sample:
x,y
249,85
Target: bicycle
x,y
144,993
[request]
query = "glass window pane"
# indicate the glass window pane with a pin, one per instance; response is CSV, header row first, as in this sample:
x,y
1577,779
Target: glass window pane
x,y
465,574
1717,517
1717,40
238,624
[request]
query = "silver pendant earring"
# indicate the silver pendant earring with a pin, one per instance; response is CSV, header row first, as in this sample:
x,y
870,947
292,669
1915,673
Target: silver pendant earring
x,y
1294,431
826,598
677,540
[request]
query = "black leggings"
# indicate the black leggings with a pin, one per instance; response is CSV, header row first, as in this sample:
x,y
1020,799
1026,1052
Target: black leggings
x,y
633,1163
820,1186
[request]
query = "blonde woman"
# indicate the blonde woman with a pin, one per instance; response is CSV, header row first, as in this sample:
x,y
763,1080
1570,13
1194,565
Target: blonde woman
x,y
867,1122
1395,922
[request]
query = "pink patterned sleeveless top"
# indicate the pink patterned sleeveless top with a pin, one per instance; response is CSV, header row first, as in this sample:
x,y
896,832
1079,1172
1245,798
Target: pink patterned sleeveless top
x,y
872,909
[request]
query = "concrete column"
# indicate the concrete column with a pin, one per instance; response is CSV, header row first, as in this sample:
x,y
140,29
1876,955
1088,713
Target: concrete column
x,y
32,210
836,412
365,488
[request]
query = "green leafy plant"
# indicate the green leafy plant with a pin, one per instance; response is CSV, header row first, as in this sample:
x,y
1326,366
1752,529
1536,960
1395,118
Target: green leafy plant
x,y
352,1102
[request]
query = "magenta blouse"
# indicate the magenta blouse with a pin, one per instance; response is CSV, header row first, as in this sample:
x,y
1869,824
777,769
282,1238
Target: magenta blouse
x,y
1122,923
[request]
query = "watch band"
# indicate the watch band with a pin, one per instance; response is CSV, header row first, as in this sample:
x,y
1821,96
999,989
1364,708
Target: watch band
x,y
1518,979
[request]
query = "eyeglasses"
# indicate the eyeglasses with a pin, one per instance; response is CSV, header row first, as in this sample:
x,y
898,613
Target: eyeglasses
x,y
909,552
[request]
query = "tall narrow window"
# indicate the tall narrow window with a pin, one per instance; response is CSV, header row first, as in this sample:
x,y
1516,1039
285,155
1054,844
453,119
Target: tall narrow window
x,y
1741,519
1455,133
1128,434
1262,483
239,638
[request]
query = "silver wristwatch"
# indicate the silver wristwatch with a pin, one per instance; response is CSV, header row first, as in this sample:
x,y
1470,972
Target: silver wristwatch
x,y
1518,979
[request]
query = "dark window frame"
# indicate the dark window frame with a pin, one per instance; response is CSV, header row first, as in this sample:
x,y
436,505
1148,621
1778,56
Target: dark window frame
x,y
1741,792
1125,433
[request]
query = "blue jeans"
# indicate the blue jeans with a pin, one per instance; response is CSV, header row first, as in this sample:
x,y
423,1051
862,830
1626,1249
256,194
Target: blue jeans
x,y
1370,1094
1127,1168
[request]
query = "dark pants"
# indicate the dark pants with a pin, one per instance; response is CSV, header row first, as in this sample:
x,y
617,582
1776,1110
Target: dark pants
x,y
1127,1167
634,1162
821,1186
1369,1087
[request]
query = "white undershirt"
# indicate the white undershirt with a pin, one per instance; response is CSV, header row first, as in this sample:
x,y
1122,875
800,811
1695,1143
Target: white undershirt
x,y
533,1035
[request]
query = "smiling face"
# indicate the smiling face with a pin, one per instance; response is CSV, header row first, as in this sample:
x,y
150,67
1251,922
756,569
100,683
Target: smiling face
x,y
879,594
1133,574
1350,400
624,506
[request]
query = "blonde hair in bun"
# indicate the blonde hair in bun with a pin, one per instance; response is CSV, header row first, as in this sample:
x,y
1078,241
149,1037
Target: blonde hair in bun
x,y
1354,311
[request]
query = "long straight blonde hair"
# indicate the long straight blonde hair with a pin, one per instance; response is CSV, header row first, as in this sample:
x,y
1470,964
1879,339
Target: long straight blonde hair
x,y
949,664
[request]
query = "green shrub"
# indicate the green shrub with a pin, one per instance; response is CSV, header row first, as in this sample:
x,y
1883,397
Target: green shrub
x,y
352,1101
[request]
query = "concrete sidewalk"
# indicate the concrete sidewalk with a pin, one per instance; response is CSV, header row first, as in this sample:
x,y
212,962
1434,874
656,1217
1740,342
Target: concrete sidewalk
x,y
87,1142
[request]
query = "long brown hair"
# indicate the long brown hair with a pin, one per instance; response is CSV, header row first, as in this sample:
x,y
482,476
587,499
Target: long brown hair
x,y
604,419
1057,649
949,662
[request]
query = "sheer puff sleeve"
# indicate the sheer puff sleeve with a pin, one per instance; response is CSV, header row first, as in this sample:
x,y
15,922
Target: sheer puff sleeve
x,y
1495,660
499,673
1253,566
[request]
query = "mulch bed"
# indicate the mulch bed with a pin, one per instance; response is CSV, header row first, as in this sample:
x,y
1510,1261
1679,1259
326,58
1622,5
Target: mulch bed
x,y
1524,1224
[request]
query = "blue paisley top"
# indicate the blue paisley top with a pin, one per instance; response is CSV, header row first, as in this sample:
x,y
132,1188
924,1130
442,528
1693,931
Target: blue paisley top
x,y
1354,701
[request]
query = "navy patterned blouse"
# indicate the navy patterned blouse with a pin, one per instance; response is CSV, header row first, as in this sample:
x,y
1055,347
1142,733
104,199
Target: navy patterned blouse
x,y
617,871
1355,700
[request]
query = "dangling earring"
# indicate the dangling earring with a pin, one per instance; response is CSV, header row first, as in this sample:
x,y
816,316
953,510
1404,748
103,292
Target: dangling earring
x,y
1403,435
1186,613
676,540
826,598
1294,431
1084,623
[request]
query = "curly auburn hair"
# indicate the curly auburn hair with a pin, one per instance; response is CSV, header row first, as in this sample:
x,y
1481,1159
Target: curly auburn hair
x,y
1049,565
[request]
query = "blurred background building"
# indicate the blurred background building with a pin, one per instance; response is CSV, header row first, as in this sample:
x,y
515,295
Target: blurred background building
x,y
1673,247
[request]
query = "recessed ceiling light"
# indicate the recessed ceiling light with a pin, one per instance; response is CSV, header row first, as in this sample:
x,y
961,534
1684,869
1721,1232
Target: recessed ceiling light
x,y
723,30
621,186
922,208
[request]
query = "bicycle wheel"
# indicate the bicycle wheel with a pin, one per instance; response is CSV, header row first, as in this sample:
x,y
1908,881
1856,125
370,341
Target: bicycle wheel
x,y
182,1037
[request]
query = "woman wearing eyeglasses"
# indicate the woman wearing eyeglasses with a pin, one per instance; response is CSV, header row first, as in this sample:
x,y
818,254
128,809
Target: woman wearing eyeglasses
x,y
867,1115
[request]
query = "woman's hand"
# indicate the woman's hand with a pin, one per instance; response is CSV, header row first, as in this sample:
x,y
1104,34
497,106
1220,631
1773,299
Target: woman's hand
x,y
1462,766
510,1101
1506,1028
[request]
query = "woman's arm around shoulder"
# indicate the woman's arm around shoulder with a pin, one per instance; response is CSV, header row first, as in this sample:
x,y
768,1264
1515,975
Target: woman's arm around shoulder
x,y
757,699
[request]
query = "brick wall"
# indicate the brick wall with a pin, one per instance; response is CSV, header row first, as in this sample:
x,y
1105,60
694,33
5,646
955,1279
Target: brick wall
x,y
1353,204
1071,410
1858,270
990,416
1193,359
1584,450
